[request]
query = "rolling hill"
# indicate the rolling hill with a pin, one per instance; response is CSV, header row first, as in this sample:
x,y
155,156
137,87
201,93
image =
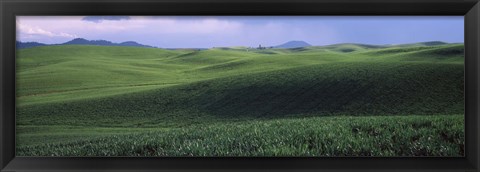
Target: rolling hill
x,y
101,92
236,83
428,43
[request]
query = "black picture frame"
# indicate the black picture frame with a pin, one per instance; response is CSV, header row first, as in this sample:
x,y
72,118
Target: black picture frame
x,y
470,9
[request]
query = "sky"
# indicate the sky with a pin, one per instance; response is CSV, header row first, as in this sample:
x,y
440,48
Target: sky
x,y
223,31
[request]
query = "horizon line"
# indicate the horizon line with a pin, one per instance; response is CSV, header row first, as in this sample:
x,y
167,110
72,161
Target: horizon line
x,y
46,44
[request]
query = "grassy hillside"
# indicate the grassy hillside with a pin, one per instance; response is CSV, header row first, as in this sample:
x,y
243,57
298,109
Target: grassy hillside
x,y
97,92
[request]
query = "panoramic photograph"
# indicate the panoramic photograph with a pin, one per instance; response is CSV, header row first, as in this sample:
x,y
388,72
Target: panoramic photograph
x,y
240,86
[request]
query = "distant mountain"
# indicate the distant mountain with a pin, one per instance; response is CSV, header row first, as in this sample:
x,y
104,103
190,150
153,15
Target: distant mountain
x,y
81,41
132,44
21,45
293,44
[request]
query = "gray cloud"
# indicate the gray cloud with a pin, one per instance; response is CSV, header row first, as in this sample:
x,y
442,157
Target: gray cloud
x,y
99,19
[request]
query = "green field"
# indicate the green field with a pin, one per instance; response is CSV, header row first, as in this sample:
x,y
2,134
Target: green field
x,y
337,100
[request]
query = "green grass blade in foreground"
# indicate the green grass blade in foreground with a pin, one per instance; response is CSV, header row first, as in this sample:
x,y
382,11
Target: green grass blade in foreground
x,y
315,136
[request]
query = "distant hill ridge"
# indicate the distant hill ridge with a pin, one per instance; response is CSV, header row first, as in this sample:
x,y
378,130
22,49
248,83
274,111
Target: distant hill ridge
x,y
293,44
82,41
289,44
432,43
21,45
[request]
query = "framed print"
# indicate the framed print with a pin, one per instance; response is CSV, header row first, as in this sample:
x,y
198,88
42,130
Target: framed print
x,y
250,85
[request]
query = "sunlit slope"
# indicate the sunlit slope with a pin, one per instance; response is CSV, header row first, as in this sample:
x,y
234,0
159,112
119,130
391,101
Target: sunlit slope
x,y
54,73
347,48
52,69
453,53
